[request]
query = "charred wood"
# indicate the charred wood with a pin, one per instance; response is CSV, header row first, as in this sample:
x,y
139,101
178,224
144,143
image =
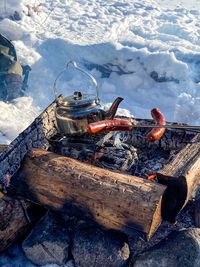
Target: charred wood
x,y
17,217
181,176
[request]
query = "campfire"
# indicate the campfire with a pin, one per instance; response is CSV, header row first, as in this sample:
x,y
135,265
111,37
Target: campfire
x,y
106,194
123,151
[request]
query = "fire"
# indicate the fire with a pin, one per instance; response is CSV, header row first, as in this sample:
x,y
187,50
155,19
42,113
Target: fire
x,y
152,177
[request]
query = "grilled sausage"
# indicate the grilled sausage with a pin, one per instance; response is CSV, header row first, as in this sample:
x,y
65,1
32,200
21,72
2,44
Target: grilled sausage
x,y
159,119
109,125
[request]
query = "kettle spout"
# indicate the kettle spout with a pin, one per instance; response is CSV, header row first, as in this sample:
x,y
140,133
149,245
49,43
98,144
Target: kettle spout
x,y
110,114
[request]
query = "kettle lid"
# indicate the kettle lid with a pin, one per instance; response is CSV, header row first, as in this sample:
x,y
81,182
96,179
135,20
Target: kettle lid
x,y
78,100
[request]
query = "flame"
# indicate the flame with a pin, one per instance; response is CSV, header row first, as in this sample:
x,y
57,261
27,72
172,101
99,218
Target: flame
x,y
152,177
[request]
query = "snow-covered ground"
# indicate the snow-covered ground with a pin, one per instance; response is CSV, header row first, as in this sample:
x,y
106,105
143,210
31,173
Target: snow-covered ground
x,y
146,51
192,4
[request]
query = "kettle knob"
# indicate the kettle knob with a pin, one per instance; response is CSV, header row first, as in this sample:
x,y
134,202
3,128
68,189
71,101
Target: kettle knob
x,y
77,95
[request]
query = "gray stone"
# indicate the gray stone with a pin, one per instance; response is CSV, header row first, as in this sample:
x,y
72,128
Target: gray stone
x,y
70,264
179,249
92,246
48,242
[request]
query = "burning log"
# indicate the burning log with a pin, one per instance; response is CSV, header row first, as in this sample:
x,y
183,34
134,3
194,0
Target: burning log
x,y
181,176
16,218
114,200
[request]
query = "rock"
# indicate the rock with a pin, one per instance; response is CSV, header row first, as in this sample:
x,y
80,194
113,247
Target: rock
x,y
137,245
179,249
48,242
70,264
95,247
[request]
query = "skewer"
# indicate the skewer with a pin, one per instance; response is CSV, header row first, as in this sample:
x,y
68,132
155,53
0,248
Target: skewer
x,y
127,125
168,126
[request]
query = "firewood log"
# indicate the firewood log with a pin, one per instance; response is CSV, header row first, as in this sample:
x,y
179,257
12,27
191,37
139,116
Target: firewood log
x,y
16,220
114,200
181,176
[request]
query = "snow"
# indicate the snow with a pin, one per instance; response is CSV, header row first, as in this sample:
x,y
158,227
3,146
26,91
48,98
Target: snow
x,y
146,51
10,8
16,115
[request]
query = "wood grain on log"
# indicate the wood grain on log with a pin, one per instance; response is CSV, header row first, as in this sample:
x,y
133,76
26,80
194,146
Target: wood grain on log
x,y
13,223
114,200
181,176
14,220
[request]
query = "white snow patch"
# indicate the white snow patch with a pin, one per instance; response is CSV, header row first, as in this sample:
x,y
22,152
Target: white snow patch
x,y
187,107
9,8
12,30
16,116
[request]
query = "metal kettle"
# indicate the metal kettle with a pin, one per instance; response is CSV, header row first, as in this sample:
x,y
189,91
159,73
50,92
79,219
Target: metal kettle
x,y
75,112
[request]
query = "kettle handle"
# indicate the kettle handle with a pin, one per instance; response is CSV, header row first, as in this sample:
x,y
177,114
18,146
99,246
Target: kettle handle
x,y
83,71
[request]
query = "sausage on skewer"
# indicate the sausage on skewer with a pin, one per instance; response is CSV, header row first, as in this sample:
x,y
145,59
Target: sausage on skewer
x,y
159,119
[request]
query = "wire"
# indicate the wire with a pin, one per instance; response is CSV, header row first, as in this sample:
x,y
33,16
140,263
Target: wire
x,y
42,24
51,11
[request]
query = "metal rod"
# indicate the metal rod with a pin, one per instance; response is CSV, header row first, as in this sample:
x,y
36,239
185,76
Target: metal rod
x,y
171,126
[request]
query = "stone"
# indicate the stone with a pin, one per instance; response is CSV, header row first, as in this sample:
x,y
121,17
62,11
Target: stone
x,y
179,249
92,246
48,243
70,263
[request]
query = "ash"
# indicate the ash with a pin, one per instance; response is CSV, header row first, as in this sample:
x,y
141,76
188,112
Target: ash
x,y
127,152
105,151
